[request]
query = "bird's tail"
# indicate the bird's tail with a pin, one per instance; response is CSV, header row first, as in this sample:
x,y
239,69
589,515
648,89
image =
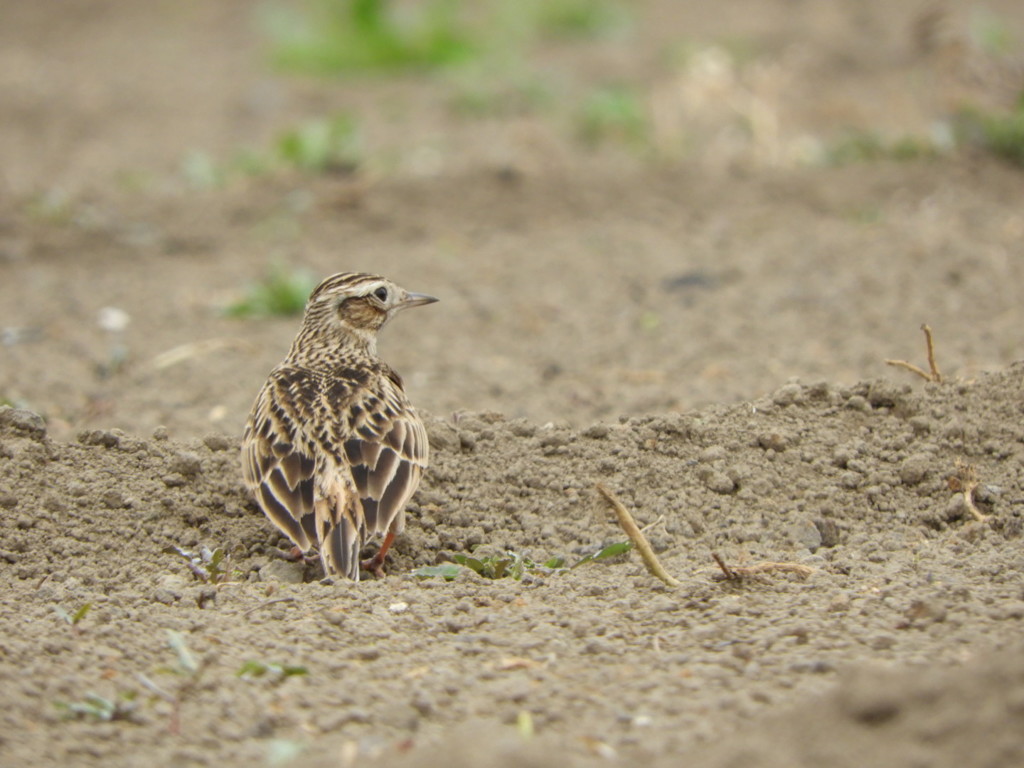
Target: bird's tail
x,y
341,536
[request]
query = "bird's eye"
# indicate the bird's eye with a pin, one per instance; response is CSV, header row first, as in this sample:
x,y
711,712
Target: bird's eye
x,y
381,293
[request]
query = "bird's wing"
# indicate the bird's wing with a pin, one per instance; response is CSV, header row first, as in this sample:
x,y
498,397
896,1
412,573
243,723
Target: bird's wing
x,y
278,462
370,452
387,451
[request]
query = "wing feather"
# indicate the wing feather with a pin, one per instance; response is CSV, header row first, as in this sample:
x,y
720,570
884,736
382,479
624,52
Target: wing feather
x,y
278,472
383,473
386,468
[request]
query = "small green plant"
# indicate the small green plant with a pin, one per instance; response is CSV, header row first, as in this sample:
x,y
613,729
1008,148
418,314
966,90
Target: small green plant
x,y
991,33
251,162
205,565
510,565
446,571
281,292
187,667
200,171
327,145
486,93
253,670
53,206
868,146
98,708
578,18
613,113
332,36
1000,134
321,145
612,550
514,565
72,619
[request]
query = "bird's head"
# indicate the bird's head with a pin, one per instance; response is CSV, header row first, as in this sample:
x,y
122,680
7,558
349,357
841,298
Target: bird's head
x,y
356,305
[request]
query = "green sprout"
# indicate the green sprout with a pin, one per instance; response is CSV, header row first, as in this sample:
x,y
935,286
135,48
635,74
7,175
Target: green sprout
x,y
613,113
206,565
868,146
579,18
332,36
281,292
186,666
326,145
447,571
252,670
72,619
200,170
98,708
991,33
1000,134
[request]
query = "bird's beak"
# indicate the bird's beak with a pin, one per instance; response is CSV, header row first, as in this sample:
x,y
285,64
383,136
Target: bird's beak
x,y
416,300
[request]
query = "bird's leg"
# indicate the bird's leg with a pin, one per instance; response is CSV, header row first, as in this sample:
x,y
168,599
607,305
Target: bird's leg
x,y
375,564
297,554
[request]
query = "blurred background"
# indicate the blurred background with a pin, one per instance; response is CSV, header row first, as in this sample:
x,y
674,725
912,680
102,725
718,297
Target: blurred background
x,y
625,207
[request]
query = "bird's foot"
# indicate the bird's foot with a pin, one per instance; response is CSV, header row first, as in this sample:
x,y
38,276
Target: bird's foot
x,y
374,565
295,555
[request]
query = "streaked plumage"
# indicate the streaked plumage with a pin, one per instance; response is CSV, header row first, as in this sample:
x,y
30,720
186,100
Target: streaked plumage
x,y
333,450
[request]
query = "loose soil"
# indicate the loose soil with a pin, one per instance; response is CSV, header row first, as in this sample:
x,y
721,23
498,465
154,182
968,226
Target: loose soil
x,y
703,332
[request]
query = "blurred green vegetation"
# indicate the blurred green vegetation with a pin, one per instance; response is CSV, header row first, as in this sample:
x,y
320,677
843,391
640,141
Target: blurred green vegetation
x,y
485,50
577,18
329,36
323,145
860,146
331,144
1000,134
282,291
613,113
483,92
326,37
990,33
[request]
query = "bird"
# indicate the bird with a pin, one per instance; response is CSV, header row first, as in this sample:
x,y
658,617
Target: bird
x,y
333,450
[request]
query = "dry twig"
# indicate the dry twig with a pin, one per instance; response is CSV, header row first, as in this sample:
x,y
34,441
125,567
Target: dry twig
x,y
636,536
933,373
725,568
192,349
965,482
759,569
267,603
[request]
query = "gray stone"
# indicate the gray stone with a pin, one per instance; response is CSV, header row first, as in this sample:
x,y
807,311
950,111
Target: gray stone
x,y
283,571
804,533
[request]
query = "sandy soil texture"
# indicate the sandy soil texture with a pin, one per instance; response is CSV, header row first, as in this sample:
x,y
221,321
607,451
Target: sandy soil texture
x,y
700,322
604,660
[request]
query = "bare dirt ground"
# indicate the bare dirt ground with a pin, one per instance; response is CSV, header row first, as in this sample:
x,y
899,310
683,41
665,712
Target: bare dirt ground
x,y
632,316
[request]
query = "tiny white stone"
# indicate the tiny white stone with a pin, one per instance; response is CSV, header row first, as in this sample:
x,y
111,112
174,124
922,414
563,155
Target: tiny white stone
x,y
113,319
398,607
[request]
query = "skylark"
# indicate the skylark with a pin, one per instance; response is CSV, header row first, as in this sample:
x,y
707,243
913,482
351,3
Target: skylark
x,y
333,450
